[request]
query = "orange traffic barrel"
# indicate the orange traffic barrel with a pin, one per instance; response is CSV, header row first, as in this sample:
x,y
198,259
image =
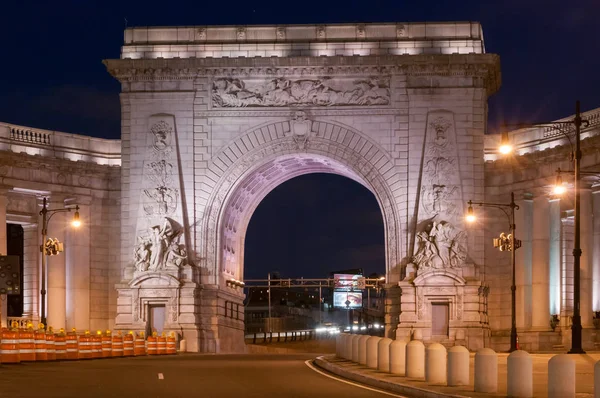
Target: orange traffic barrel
x,y
106,345
97,345
9,346
161,345
72,345
152,345
171,344
139,346
60,345
128,345
40,344
50,345
26,345
85,346
117,345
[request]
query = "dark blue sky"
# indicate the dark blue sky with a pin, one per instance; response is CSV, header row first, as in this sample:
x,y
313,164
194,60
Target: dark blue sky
x,y
53,78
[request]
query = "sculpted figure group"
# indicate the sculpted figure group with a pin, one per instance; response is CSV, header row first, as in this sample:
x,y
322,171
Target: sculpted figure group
x,y
160,249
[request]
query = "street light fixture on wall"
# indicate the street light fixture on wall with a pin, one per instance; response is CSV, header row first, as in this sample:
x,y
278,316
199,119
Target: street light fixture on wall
x,y
509,243
576,340
50,247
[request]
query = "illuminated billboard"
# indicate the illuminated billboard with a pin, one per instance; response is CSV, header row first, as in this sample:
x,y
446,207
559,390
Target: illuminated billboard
x,y
348,282
347,299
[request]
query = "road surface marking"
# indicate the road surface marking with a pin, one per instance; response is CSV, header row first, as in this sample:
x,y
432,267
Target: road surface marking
x,y
160,376
310,365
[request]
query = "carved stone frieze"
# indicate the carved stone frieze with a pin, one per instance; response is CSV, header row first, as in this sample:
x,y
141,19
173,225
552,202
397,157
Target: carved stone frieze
x,y
324,91
315,111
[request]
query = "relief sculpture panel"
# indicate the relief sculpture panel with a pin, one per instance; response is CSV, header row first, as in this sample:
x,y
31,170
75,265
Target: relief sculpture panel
x,y
440,243
325,91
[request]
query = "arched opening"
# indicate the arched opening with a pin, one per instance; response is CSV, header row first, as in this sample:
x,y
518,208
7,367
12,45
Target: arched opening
x,y
313,227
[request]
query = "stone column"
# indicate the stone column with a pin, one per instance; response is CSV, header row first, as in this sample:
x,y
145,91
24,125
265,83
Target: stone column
x,y
31,271
554,258
524,231
540,248
56,280
587,243
3,244
77,254
596,250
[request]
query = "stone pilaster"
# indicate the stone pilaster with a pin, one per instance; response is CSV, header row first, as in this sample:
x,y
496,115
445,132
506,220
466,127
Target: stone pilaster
x,y
524,258
3,243
55,270
77,255
540,269
587,244
596,251
31,271
554,258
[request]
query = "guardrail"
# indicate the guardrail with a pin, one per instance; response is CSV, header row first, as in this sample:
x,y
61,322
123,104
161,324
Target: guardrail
x,y
288,336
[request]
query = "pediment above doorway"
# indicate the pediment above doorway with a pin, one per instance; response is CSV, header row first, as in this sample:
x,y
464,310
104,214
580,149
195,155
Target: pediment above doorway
x,y
438,278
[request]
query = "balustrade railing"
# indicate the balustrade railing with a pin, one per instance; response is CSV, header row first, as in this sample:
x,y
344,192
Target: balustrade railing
x,y
21,321
30,136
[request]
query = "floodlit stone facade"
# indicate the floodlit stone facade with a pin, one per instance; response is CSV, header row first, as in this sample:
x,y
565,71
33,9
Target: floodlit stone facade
x,y
214,118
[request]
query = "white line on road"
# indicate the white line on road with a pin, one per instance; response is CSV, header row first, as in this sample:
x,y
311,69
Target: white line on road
x,y
160,376
310,365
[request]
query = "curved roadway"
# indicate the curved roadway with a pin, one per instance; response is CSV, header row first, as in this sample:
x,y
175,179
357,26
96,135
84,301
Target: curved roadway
x,y
210,376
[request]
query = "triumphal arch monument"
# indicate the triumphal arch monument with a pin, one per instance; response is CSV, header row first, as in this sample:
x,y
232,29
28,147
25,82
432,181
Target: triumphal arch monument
x,y
215,117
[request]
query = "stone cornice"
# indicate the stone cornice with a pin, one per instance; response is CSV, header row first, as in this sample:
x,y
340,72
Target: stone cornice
x,y
485,66
589,147
10,159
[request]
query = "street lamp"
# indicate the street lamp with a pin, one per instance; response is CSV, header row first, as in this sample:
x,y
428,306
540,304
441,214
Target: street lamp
x,y
505,243
50,247
576,341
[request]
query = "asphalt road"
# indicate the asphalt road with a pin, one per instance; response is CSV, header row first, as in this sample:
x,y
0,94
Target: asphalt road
x,y
207,376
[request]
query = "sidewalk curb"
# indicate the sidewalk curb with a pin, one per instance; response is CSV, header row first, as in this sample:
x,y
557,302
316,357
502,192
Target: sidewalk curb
x,y
417,392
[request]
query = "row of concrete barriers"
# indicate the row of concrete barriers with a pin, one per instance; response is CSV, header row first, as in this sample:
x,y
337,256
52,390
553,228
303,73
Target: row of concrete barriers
x,y
29,345
436,365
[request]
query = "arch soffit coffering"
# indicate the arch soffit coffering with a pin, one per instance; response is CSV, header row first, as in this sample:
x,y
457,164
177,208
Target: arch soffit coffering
x,y
367,162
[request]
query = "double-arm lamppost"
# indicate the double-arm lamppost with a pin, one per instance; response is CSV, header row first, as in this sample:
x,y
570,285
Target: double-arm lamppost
x,y
505,243
577,122
50,247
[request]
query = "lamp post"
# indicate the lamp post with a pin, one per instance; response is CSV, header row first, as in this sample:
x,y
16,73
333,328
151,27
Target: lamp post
x,y
50,247
576,341
505,243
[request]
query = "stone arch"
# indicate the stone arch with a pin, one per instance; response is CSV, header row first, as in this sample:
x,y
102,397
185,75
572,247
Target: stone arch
x,y
268,155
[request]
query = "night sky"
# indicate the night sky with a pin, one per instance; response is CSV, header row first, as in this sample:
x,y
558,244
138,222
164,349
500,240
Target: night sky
x,y
52,77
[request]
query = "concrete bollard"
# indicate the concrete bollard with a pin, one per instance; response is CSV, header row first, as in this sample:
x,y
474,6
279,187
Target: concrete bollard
x,y
415,359
182,346
397,358
349,347
362,349
372,344
486,371
355,347
435,364
519,381
383,354
338,345
458,366
561,377
597,380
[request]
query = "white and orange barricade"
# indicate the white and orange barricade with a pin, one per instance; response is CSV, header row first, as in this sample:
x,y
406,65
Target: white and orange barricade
x,y
85,346
40,343
50,345
106,345
117,345
139,345
27,344
171,344
128,345
72,345
9,345
152,344
161,344
97,345
60,345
